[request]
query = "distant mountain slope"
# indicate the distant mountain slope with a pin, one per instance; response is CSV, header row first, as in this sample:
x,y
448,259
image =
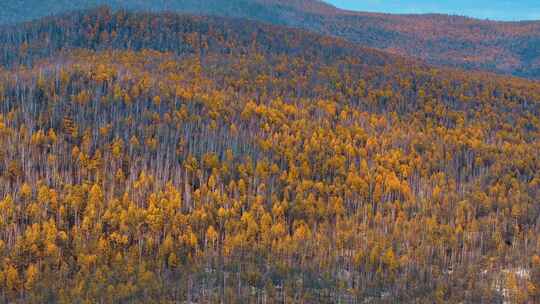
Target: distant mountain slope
x,y
101,29
504,47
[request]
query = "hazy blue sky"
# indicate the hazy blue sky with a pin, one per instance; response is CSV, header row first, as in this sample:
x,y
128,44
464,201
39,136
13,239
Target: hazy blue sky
x,y
484,9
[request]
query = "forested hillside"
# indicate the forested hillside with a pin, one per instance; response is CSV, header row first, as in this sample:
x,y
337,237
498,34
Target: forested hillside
x,y
503,47
171,158
271,11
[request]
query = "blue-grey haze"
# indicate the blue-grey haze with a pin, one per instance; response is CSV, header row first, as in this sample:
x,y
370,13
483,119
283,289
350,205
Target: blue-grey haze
x,y
506,10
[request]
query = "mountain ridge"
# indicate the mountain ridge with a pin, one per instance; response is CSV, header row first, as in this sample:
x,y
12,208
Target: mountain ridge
x,y
502,47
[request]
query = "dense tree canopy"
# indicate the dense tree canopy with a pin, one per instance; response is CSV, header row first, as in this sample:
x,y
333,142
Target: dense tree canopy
x,y
174,158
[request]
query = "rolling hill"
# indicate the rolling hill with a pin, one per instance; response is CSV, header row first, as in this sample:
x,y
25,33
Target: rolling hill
x,y
174,158
503,47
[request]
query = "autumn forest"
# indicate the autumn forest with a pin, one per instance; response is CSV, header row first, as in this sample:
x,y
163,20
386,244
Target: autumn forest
x,y
172,158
